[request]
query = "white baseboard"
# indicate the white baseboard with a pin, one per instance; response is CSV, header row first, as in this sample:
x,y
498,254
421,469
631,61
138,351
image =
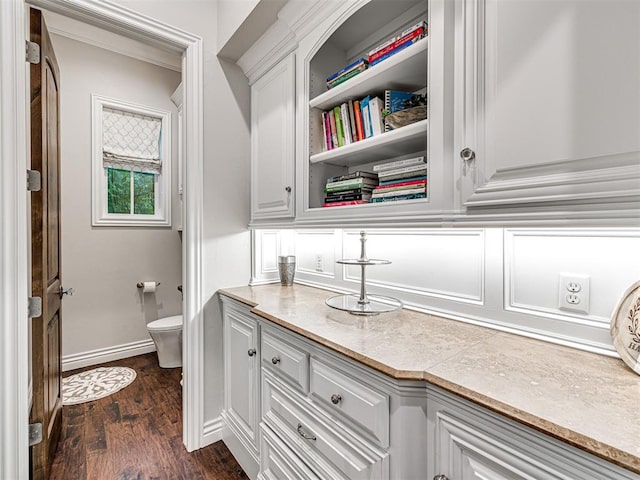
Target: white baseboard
x,y
109,354
212,431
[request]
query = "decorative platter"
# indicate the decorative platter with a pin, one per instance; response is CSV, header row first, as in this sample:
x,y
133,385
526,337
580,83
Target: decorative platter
x,y
625,327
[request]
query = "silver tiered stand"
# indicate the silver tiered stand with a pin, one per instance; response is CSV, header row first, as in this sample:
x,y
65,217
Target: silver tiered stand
x,y
363,304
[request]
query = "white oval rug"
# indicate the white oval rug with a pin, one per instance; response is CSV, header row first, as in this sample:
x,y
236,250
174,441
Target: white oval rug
x,y
94,384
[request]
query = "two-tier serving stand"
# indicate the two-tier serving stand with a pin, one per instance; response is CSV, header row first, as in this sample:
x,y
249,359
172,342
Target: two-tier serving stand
x,y
363,304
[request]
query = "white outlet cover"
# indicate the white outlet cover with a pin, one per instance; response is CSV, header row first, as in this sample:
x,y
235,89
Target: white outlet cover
x,y
567,292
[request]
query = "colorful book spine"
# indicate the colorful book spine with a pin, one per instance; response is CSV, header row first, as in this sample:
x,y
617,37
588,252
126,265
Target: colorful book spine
x,y
395,187
407,162
402,184
326,128
348,185
375,112
395,193
366,117
352,175
346,124
412,196
350,196
395,171
334,130
351,66
344,204
358,114
392,182
343,78
352,121
339,131
404,176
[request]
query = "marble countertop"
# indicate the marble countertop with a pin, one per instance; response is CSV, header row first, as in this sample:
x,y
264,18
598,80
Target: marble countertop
x,y
589,401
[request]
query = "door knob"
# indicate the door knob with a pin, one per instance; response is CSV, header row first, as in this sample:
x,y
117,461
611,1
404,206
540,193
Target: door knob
x,y
467,154
251,352
440,477
287,189
275,360
68,291
336,398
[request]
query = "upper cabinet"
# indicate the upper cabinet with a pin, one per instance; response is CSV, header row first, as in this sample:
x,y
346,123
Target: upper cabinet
x,y
548,108
272,142
532,112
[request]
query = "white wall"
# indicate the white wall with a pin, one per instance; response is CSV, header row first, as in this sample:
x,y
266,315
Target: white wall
x,y
226,249
103,264
231,14
503,278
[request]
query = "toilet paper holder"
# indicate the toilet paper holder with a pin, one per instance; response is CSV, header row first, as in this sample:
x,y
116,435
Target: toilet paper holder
x,y
141,284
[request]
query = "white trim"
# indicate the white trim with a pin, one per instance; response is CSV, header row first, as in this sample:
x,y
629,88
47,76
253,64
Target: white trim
x,y
13,213
212,431
14,281
162,189
109,354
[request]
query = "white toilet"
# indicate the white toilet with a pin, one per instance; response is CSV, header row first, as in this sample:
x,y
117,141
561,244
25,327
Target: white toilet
x,y
167,335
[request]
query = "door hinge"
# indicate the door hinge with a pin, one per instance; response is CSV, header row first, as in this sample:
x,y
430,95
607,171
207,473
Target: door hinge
x,y
35,434
34,181
35,307
32,52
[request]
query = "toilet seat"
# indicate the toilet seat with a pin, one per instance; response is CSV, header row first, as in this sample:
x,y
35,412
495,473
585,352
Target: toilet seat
x,y
167,324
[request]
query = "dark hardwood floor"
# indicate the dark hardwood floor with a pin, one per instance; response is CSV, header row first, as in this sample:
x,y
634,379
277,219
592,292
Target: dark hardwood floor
x,y
136,433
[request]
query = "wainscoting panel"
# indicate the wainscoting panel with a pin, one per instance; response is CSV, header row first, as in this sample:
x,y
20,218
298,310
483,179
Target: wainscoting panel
x,y
316,252
266,248
441,263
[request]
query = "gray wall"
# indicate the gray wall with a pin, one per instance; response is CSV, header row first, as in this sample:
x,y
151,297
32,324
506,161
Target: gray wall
x,y
227,243
103,264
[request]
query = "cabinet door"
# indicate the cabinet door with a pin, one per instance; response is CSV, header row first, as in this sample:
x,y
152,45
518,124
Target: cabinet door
x,y
272,142
242,368
547,98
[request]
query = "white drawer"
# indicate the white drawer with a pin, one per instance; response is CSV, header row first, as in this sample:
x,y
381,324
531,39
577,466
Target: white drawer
x,y
287,360
344,394
278,462
329,450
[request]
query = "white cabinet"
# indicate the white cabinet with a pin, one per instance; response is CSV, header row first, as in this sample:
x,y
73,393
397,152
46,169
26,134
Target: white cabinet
x,y
272,142
547,97
471,443
241,382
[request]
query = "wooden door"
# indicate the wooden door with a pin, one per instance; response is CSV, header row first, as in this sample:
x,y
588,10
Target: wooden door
x,y
45,248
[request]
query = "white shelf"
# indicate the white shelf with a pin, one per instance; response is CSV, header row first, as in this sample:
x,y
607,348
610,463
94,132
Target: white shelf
x,y
409,139
406,70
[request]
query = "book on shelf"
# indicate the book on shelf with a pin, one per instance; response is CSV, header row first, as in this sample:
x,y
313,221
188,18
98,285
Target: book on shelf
x,y
352,121
396,181
353,65
365,190
346,124
375,112
345,203
361,183
407,162
394,102
411,196
358,114
400,186
395,193
339,132
404,175
366,117
326,137
352,175
407,38
332,126
413,168
346,76
351,196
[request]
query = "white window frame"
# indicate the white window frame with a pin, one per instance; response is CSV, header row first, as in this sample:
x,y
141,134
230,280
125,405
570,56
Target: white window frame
x,y
162,188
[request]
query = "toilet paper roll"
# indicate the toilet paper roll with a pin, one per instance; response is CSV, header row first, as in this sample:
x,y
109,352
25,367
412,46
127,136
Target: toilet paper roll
x,y
149,287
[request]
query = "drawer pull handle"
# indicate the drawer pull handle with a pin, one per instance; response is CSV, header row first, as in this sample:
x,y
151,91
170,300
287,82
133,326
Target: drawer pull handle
x,y
440,477
275,360
336,399
304,434
251,352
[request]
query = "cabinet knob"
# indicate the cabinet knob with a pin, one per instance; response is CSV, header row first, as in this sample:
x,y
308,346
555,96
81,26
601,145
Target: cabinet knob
x,y
336,398
275,360
287,189
467,154
251,352
305,435
440,477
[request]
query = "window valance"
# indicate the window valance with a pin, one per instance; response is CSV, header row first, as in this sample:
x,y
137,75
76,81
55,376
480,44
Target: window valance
x,y
131,141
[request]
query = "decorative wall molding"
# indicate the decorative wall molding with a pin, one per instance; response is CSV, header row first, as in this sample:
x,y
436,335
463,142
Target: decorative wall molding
x,y
108,354
212,431
81,32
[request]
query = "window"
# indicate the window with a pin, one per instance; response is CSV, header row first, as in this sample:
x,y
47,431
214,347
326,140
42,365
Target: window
x,y
131,164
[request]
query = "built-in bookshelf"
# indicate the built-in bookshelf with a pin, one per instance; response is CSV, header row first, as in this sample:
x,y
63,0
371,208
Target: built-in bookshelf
x,y
404,71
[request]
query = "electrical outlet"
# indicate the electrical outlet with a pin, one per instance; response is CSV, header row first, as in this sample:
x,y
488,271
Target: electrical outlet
x,y
573,292
319,262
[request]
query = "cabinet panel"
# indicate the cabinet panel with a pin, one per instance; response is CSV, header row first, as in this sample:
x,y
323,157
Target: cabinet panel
x,y
242,367
285,359
547,98
272,142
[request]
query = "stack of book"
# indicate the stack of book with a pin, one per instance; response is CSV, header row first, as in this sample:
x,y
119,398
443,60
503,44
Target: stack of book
x,y
350,71
401,180
352,121
398,43
350,189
